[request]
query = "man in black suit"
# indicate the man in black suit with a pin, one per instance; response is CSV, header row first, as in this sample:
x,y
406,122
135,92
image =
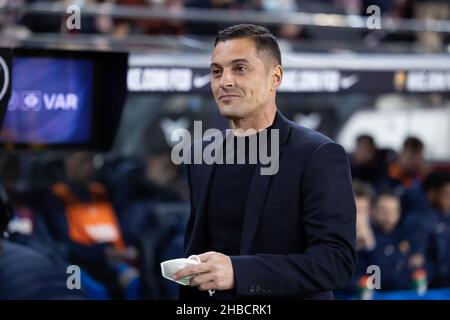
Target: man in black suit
x,y
289,234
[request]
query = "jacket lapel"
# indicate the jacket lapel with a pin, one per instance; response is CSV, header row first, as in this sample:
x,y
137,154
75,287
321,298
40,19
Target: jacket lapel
x,y
258,189
198,233
253,208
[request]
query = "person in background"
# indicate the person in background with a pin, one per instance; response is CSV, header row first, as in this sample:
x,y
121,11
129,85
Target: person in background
x,y
82,219
28,274
163,176
365,239
410,166
392,248
431,10
428,228
365,162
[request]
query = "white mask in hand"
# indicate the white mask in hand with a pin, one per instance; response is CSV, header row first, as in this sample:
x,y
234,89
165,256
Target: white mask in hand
x,y
170,267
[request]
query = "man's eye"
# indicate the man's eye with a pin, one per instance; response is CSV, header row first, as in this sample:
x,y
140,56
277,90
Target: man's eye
x,y
241,69
215,72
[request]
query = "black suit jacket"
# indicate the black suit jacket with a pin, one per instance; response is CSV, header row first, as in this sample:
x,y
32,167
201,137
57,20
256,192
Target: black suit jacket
x,y
299,227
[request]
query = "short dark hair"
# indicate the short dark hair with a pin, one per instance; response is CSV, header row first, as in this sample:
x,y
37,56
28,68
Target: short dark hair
x,y
413,144
387,192
363,189
367,138
265,41
436,180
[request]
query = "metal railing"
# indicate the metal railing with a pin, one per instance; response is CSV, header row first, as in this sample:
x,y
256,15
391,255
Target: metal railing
x,y
233,16
194,43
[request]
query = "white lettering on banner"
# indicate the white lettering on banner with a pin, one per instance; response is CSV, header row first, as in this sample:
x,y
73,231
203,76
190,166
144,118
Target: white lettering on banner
x,y
424,81
32,101
182,79
21,225
310,81
103,232
57,101
134,79
159,79
155,80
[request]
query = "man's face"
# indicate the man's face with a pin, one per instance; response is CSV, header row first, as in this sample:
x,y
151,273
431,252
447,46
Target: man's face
x,y
364,152
362,205
386,213
363,208
79,166
444,199
243,81
411,161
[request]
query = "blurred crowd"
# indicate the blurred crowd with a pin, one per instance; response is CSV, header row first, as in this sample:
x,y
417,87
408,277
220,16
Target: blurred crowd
x,y
116,218
403,225
119,28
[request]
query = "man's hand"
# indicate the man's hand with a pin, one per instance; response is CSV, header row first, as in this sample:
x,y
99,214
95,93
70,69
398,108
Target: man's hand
x,y
215,272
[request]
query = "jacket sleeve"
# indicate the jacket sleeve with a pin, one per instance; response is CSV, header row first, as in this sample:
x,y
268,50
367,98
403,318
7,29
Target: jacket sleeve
x,y
329,221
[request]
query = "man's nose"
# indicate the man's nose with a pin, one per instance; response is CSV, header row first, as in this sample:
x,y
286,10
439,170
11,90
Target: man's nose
x,y
227,80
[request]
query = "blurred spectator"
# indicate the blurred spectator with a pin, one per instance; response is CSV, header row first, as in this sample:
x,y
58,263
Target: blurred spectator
x,y
287,31
386,212
392,247
364,194
209,29
410,165
429,229
123,27
365,239
37,23
157,179
365,161
26,273
431,10
160,169
388,8
82,219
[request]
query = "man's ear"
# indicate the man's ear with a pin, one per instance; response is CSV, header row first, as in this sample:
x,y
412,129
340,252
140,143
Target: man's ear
x,y
277,76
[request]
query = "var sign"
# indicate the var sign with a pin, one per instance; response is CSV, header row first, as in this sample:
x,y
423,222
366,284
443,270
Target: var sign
x,y
60,101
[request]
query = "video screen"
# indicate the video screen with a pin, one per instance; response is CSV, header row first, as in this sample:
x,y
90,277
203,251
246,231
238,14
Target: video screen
x,y
51,101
